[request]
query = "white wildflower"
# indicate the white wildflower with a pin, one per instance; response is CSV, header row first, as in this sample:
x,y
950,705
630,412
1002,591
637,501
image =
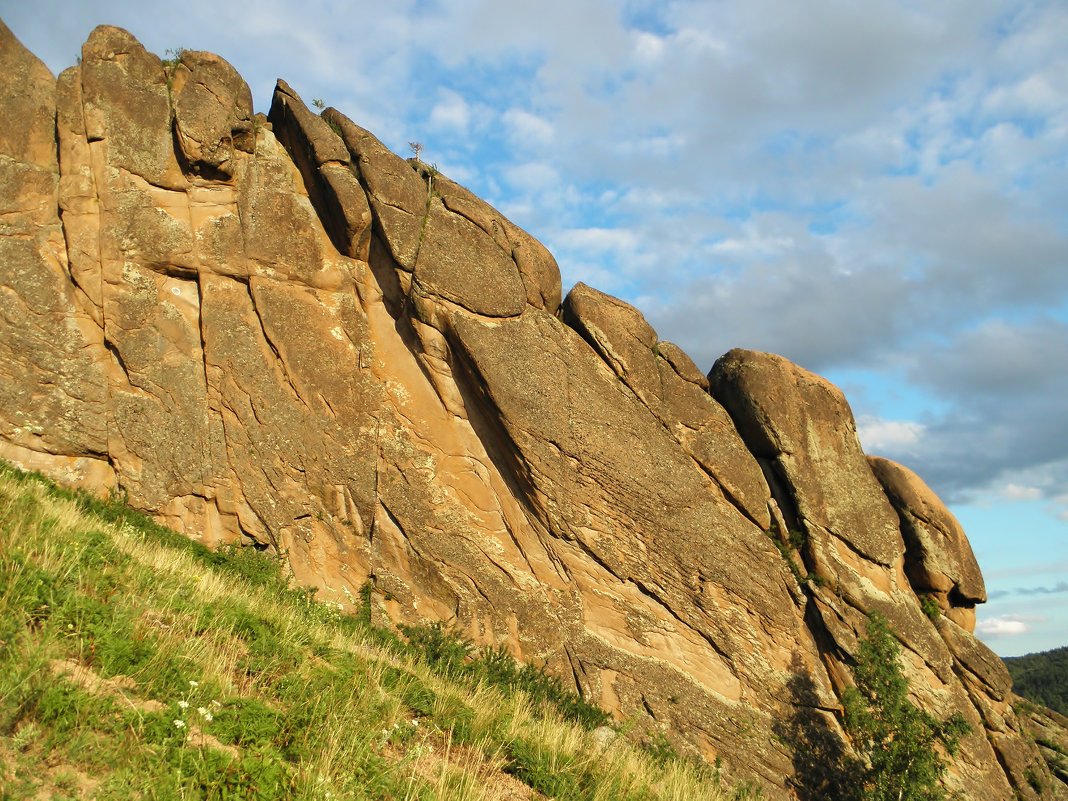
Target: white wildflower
x,y
204,713
194,684
178,724
183,705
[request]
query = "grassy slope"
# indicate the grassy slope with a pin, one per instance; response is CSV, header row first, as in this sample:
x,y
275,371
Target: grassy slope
x,y
136,664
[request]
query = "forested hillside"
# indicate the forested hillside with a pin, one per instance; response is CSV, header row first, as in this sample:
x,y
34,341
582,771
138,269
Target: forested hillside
x,y
1042,677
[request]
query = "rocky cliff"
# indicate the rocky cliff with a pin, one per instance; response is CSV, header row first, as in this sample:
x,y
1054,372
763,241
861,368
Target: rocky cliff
x,y
274,331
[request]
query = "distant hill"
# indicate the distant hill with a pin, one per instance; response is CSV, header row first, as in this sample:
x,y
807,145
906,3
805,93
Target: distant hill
x,y
1042,677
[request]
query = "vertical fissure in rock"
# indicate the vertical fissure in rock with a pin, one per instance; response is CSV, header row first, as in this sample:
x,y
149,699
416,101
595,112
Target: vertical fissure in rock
x,y
293,138
486,423
279,361
424,223
94,154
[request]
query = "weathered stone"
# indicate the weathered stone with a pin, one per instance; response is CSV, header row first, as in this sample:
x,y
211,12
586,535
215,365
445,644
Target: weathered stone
x,y
465,270
127,107
1024,766
537,267
27,95
938,558
292,467
324,162
278,234
460,251
975,657
803,424
398,195
629,346
682,364
212,112
620,335
78,201
634,502
1049,730
52,387
802,429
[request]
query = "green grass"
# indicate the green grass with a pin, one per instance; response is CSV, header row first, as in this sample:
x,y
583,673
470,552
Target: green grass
x,y
135,663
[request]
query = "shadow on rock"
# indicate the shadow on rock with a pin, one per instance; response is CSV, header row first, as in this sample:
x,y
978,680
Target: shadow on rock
x,y
824,770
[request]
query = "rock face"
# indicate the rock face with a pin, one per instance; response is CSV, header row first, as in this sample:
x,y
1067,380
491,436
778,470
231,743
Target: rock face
x,y
275,331
938,557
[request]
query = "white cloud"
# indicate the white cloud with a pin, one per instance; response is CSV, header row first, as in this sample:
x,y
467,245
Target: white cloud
x,y
1017,492
527,129
1003,626
696,40
1003,429
450,113
598,239
1035,94
888,436
533,176
648,48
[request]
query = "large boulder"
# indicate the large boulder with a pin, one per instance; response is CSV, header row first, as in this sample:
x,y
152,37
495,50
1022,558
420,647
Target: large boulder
x,y
537,267
212,112
398,195
328,173
126,105
458,250
938,557
850,542
666,568
802,424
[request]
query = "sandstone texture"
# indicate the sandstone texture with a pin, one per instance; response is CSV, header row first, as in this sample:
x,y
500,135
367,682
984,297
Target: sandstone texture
x,y
938,557
273,331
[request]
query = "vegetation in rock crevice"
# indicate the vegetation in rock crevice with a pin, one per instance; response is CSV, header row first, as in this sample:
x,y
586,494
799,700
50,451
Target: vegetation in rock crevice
x,y
791,547
900,746
428,172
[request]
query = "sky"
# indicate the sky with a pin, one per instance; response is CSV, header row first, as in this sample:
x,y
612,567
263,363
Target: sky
x,y
877,191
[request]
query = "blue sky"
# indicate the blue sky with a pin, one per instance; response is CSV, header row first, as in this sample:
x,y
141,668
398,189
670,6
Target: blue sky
x,y
878,191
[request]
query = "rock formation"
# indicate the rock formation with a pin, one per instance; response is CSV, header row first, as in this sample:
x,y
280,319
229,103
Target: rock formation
x,y
274,331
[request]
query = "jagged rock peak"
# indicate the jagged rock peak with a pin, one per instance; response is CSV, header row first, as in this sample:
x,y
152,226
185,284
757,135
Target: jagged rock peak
x,y
275,330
